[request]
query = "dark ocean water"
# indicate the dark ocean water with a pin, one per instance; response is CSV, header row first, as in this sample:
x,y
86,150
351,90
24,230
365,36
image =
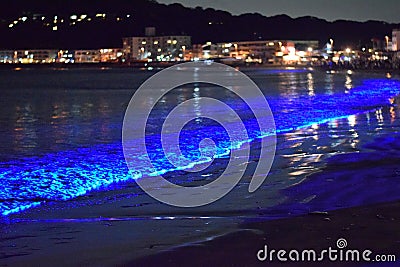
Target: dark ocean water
x,y
61,134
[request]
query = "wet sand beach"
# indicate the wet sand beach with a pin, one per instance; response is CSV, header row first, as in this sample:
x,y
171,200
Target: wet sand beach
x,y
374,227
117,227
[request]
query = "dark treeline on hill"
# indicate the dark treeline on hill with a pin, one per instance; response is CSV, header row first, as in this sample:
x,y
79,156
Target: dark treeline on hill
x,y
128,18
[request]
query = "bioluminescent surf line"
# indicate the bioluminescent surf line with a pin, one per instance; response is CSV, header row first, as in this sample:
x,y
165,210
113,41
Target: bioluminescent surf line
x,y
155,88
62,175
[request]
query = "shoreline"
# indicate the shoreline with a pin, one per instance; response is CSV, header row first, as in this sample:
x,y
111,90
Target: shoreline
x,y
163,65
101,228
118,227
373,227
364,225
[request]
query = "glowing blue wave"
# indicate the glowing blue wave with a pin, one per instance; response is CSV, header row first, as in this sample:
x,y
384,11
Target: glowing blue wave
x,y
27,182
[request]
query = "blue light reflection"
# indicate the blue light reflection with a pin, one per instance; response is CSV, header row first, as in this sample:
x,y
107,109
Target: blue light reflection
x,y
27,182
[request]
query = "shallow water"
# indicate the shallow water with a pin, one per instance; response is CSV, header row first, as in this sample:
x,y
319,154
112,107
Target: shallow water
x,y
61,129
337,147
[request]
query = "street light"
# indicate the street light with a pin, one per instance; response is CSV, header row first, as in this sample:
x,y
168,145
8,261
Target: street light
x,y
329,46
387,43
183,51
236,49
142,53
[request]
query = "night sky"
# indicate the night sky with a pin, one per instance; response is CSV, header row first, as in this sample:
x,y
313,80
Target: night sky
x,y
359,10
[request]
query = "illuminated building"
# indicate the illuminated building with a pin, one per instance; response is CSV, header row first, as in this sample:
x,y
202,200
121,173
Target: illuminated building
x,y
65,56
289,55
111,54
61,56
268,51
31,56
257,50
158,48
209,50
6,56
87,56
196,52
396,39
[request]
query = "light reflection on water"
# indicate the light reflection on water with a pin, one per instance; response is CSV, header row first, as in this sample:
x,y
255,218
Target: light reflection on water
x,y
348,84
355,175
25,136
360,164
310,84
65,127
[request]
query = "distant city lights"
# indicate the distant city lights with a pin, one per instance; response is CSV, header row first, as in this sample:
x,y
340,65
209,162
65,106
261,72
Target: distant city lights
x,y
177,48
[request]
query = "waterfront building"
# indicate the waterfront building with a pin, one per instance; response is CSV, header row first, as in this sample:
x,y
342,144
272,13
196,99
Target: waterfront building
x,y
260,51
396,40
7,56
156,48
111,54
209,50
268,51
33,56
66,56
87,56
